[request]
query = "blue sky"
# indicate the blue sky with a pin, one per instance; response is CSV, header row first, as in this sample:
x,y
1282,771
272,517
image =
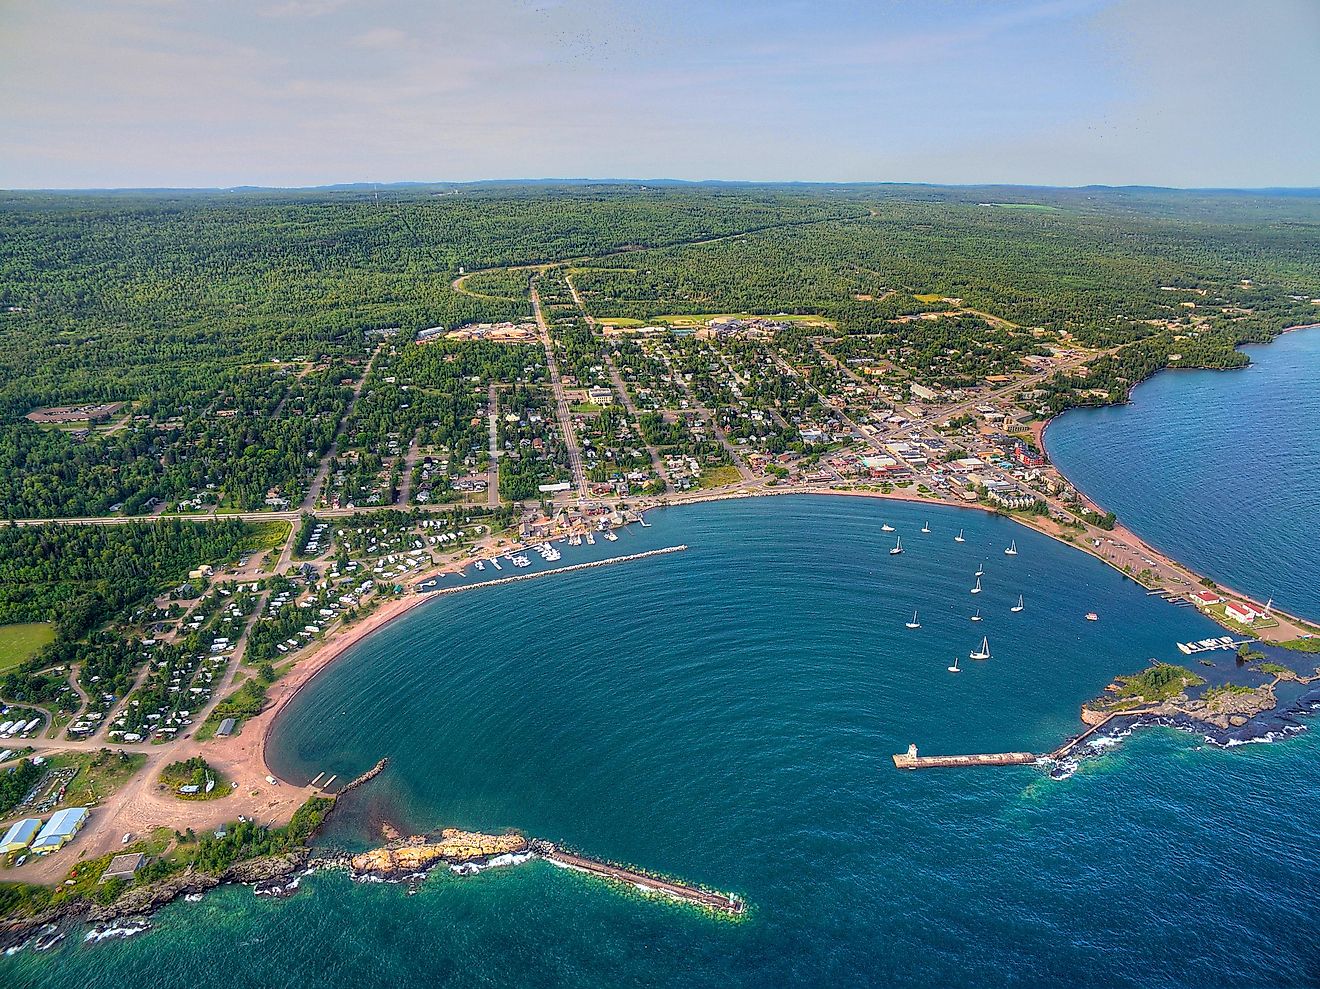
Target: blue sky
x,y
111,93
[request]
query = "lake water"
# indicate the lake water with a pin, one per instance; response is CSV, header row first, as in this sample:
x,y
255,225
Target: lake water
x,y
1219,468
727,715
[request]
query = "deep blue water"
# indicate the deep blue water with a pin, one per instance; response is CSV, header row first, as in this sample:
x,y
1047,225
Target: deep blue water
x,y
1219,468
727,715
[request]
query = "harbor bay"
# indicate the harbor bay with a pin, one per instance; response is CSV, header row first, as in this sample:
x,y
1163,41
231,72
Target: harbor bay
x,y
749,750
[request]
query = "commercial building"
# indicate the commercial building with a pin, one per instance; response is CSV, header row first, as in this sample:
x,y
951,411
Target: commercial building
x,y
59,830
19,836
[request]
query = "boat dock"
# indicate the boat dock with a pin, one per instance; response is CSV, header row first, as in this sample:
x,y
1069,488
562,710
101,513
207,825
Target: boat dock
x,y
910,759
558,570
722,902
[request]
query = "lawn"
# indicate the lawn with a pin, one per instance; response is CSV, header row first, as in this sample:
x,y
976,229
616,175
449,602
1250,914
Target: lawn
x,y
19,643
713,477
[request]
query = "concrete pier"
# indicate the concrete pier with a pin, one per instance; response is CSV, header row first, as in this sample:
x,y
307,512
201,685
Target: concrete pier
x,y
648,884
910,759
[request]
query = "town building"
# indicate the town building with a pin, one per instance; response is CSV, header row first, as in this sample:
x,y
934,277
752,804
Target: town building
x,y
19,836
59,830
1243,613
123,866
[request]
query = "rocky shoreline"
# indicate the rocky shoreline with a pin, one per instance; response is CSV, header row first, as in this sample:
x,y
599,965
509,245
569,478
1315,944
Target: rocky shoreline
x,y
139,903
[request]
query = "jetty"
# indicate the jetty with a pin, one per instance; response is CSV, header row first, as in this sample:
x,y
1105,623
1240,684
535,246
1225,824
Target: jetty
x,y
546,573
370,774
910,759
720,902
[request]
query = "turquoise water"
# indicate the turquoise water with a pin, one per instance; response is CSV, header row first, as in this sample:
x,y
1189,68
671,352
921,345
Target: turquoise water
x,y
727,715
1218,468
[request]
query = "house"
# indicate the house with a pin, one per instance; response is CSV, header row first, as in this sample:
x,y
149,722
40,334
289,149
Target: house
x,y
1206,598
600,396
59,830
226,728
123,866
1243,613
20,835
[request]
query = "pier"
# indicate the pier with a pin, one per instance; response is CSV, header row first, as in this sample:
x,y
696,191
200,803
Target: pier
x,y
910,759
721,902
546,573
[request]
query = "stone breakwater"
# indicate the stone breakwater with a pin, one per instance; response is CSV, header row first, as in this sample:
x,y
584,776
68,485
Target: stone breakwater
x,y
558,570
409,859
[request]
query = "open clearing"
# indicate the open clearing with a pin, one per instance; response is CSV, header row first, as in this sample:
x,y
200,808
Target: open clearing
x,y
19,643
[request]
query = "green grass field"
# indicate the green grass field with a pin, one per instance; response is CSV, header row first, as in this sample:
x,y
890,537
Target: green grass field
x,y
19,643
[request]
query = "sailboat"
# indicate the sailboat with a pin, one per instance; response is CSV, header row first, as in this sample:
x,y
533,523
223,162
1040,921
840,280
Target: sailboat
x,y
959,538
977,617
914,623
983,652
1012,549
898,547
977,588
926,528
886,528
954,667
1017,607
980,571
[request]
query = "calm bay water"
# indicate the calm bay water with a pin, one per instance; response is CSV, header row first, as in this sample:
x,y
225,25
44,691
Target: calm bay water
x,y
727,715
1218,468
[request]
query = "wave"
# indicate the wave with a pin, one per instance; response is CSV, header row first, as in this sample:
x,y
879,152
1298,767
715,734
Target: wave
x,y
496,862
128,929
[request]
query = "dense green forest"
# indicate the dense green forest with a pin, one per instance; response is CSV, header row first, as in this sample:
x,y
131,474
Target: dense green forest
x,y
233,324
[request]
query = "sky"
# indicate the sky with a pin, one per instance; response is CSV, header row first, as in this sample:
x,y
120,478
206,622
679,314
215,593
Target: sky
x,y
218,93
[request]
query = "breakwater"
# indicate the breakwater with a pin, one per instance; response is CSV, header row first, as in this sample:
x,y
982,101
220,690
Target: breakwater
x,y
546,573
370,774
719,902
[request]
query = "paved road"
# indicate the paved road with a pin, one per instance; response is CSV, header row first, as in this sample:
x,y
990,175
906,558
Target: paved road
x,y
562,411
323,470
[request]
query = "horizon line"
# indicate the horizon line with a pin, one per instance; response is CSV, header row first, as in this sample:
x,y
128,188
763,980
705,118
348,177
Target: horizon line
x,y
586,180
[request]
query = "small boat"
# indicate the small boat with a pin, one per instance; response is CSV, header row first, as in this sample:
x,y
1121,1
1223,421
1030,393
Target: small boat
x,y
977,617
980,571
1091,616
481,565
591,539
926,528
898,547
959,538
610,535
977,588
983,652
954,667
1017,607
886,528
1012,549
914,623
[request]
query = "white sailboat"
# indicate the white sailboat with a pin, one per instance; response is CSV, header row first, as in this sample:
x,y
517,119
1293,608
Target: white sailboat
x,y
898,547
983,652
959,538
914,623
1012,549
926,528
886,528
954,667
977,588
1017,607
980,571
977,617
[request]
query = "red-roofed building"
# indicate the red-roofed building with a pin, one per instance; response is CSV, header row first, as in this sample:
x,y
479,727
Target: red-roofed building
x,y
1243,613
1206,597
